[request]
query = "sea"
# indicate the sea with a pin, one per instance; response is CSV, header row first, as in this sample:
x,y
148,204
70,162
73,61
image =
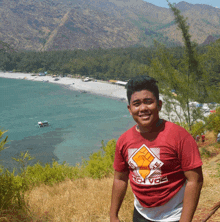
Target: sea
x,y
79,122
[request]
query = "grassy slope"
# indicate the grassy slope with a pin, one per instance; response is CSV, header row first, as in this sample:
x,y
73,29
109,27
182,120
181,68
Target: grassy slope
x,y
89,199
211,188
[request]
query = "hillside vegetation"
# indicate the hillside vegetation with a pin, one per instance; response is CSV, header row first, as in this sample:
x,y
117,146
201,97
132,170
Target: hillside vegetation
x,y
122,64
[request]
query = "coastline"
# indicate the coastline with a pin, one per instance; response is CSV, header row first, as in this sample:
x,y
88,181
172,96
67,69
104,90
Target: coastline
x,y
98,88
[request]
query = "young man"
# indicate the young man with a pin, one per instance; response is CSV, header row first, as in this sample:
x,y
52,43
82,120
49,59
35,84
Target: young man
x,y
160,158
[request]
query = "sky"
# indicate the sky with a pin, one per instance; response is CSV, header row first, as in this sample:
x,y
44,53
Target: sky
x,y
163,3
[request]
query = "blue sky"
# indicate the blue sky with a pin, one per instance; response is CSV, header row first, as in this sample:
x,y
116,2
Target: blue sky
x,y
163,3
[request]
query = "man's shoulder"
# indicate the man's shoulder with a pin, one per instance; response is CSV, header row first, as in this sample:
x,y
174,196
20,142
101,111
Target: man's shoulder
x,y
176,130
129,131
127,134
173,126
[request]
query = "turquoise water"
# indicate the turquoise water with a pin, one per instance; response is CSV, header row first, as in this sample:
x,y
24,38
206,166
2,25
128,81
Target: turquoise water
x,y
79,121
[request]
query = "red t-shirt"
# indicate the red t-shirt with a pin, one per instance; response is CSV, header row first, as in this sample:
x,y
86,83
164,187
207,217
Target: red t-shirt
x,y
156,167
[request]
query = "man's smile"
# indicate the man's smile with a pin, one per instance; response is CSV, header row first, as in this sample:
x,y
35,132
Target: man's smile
x,y
144,108
145,116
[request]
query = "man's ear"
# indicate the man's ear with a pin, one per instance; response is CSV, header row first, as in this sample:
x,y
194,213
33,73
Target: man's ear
x,y
129,109
160,105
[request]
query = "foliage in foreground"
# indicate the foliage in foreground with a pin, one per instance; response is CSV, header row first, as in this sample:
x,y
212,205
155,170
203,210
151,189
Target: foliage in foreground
x,y
98,166
10,189
100,163
198,128
13,187
2,143
213,121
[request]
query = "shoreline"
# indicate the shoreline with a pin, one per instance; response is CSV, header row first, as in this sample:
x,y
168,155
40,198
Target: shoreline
x,y
98,88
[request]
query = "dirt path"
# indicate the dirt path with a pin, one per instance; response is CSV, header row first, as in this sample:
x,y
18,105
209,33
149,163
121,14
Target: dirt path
x,y
210,194
202,213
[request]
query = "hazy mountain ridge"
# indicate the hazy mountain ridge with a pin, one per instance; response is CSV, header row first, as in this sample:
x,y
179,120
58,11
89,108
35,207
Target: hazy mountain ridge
x,y
25,24
203,21
72,33
84,24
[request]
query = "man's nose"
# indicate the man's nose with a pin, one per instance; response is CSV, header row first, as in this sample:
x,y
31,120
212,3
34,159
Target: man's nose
x,y
143,107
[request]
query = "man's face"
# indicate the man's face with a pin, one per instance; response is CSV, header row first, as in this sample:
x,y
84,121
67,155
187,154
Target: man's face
x,y
144,109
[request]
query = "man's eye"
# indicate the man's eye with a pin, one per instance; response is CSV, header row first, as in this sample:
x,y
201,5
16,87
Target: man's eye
x,y
148,102
136,104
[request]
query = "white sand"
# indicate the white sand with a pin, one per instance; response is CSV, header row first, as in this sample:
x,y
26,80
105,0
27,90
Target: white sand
x,y
100,88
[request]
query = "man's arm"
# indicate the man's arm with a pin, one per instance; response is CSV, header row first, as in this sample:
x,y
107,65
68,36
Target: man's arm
x,y
192,192
119,189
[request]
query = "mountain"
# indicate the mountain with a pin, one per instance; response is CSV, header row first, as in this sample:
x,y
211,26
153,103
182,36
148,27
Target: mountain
x,y
210,39
85,24
202,19
86,28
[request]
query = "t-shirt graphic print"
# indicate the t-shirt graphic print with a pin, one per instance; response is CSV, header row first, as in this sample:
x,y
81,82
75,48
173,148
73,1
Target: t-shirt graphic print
x,y
146,165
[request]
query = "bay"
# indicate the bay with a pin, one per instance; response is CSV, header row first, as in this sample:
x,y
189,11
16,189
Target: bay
x,y
78,121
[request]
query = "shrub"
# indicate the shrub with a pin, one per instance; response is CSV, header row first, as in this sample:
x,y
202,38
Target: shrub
x,y
218,168
100,163
11,187
50,174
11,190
205,153
2,144
213,121
197,128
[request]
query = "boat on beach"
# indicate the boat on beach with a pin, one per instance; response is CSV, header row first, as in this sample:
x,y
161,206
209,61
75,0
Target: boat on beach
x,y
43,124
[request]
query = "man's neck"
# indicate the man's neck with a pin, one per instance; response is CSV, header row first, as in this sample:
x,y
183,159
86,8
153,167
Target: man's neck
x,y
153,129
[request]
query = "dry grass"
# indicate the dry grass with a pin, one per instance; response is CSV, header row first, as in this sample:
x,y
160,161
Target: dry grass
x,y
211,188
80,200
88,200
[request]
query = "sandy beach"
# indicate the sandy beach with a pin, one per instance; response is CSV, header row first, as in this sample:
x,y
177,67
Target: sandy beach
x,y
94,87
100,88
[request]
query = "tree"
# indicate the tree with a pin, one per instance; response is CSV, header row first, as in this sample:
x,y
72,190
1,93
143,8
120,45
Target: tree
x,y
181,81
211,64
2,143
5,47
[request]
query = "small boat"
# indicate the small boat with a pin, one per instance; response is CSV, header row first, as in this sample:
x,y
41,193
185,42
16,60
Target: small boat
x,y
43,124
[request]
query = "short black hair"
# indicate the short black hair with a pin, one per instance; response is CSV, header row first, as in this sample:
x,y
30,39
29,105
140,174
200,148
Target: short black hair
x,y
139,83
